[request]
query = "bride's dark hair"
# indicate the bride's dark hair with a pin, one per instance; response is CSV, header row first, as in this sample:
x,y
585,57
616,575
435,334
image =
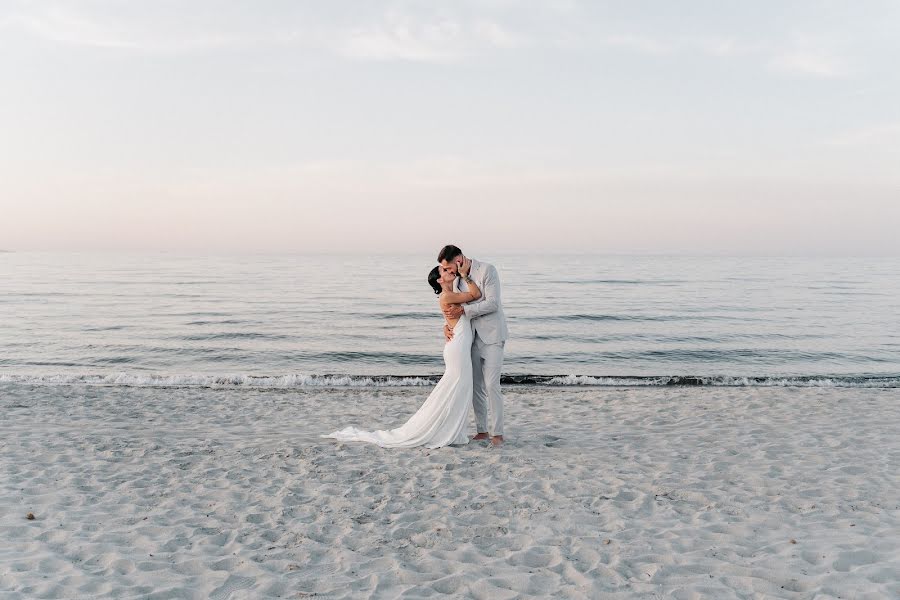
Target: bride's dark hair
x,y
433,280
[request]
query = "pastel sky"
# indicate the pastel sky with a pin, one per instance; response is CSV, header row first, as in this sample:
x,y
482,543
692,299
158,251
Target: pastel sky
x,y
696,127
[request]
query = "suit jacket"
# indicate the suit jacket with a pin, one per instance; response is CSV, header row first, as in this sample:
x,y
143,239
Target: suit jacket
x,y
486,313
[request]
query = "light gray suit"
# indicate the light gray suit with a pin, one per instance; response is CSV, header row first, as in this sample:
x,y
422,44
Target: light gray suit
x,y
489,324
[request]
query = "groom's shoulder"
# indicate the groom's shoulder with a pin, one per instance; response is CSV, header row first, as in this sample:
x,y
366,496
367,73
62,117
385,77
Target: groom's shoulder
x,y
488,266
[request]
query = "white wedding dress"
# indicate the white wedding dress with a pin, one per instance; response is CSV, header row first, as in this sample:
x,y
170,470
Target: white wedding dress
x,y
442,418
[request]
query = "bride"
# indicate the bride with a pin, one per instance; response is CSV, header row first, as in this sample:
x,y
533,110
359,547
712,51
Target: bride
x,y
442,418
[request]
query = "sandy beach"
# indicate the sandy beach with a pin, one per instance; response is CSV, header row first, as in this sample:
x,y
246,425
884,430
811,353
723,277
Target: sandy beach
x,y
599,493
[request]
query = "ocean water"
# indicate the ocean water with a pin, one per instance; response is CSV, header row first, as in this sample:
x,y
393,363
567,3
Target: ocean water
x,y
292,320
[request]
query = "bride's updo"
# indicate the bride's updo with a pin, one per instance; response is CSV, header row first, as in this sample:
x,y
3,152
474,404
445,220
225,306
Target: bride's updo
x,y
433,280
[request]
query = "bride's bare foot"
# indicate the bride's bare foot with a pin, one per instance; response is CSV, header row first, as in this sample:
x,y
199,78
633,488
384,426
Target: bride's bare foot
x,y
497,440
481,436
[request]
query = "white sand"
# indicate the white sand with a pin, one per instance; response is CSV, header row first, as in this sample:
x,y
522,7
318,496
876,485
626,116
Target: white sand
x,y
600,493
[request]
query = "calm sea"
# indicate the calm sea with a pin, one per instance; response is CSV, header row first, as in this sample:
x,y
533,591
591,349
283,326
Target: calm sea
x,y
290,320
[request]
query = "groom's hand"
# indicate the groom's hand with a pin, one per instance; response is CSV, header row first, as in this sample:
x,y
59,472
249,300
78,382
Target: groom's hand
x,y
448,333
453,311
465,267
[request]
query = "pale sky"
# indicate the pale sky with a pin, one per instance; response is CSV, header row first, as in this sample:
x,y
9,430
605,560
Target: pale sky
x,y
704,127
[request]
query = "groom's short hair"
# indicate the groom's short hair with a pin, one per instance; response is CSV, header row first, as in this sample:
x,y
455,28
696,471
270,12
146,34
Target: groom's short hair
x,y
448,253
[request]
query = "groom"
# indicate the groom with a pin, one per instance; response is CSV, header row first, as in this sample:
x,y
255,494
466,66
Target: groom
x,y
489,324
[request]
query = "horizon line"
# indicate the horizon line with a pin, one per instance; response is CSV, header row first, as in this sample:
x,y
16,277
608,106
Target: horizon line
x,y
216,253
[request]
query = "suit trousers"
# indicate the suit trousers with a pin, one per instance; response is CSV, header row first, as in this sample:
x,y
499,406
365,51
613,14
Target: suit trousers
x,y
487,362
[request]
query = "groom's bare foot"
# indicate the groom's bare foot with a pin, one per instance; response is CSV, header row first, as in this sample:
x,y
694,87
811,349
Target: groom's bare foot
x,y
497,440
481,436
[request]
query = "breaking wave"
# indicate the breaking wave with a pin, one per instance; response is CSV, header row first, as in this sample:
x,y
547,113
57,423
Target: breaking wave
x,y
299,380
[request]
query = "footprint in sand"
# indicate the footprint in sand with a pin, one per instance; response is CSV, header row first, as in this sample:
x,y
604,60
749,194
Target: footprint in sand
x,y
231,585
847,561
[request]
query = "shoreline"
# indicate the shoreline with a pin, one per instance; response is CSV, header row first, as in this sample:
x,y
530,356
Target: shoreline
x,y
298,381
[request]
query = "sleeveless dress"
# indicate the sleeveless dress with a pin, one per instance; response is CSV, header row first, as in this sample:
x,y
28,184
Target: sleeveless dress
x,y
442,418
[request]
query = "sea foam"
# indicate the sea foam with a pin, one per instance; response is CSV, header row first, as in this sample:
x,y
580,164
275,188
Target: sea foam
x,y
300,380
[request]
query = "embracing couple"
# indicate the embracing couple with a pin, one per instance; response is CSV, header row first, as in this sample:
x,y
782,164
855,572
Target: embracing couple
x,y
469,295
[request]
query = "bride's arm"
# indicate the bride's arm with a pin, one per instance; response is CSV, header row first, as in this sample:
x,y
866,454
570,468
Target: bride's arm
x,y
462,297
448,331
454,300
473,294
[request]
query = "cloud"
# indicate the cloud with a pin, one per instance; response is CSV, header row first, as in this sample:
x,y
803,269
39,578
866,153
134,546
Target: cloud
x,y
402,36
727,47
640,43
61,25
867,136
791,57
57,25
809,56
400,30
404,33
805,62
